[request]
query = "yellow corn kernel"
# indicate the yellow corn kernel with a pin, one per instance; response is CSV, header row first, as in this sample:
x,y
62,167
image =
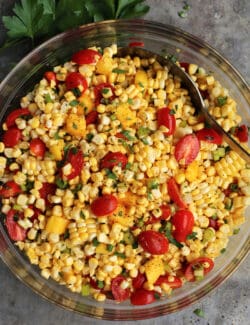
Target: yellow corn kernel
x,y
56,225
76,125
57,150
153,269
102,249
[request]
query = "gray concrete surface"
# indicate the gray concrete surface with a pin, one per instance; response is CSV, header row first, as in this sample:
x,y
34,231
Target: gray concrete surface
x,y
224,24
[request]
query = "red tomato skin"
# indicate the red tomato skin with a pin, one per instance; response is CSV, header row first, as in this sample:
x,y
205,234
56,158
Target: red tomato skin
x,y
11,137
214,224
91,117
36,213
142,297
37,147
209,135
189,274
15,231
241,133
153,242
183,221
184,65
74,80
174,193
10,189
104,205
119,293
86,56
164,117
112,159
98,92
177,283
187,149
46,190
50,76
77,162
166,213
136,44
11,118
138,281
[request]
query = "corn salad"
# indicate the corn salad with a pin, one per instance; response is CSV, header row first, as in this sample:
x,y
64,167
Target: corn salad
x,y
113,185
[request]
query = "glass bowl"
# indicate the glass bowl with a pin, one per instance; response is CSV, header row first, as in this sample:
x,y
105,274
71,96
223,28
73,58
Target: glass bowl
x,y
158,38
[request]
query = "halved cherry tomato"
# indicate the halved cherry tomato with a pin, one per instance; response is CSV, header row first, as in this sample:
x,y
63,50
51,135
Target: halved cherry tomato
x,y
46,190
11,137
166,118
112,159
10,189
198,263
118,292
185,65
136,44
37,147
142,297
50,76
74,80
15,231
86,56
183,221
209,135
36,213
120,135
98,92
11,118
153,242
187,149
104,205
173,281
91,117
138,281
174,193
165,214
241,132
75,158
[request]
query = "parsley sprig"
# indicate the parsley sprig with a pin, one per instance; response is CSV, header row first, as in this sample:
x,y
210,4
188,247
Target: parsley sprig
x,y
37,20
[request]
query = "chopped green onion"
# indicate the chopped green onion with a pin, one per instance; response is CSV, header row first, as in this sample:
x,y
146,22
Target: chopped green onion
x,y
85,290
74,102
119,71
221,100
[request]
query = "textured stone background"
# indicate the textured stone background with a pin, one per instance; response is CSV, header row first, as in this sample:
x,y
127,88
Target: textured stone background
x,y
225,25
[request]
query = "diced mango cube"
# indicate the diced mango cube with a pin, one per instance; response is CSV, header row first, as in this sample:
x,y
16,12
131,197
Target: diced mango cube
x,y
141,79
86,104
76,125
129,199
125,115
56,225
153,269
192,171
120,216
104,65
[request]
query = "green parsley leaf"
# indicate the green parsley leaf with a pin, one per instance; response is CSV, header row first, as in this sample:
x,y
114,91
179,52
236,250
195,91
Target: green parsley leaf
x,y
119,71
76,91
223,250
89,137
110,247
153,184
74,102
128,165
182,14
199,312
60,183
110,174
95,242
221,100
57,136
128,135
236,231
130,101
66,234
47,98
143,131
105,90
100,284
113,117
121,255
192,235
82,215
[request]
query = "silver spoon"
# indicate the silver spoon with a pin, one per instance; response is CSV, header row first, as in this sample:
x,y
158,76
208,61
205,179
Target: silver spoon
x,y
193,91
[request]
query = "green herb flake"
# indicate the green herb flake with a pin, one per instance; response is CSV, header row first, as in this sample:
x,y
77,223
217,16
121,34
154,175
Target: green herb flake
x,y
193,235
110,174
221,100
95,242
145,141
121,255
76,91
113,117
141,84
128,165
82,215
60,183
236,231
74,126
110,247
119,71
29,185
223,250
77,188
157,295
74,102
130,101
153,184
105,90
172,58
172,112
100,284
66,234
57,136
128,135
89,137
199,312
143,131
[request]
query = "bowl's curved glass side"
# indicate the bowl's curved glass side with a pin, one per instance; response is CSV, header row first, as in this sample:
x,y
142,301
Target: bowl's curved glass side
x,y
161,39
